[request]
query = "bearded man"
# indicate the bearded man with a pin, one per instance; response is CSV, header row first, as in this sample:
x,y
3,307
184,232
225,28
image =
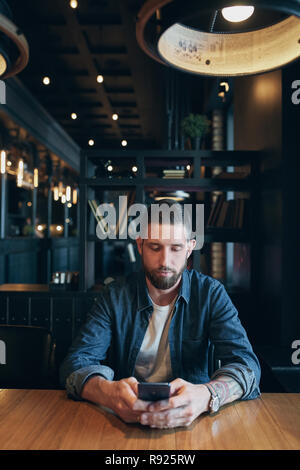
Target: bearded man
x,y
157,325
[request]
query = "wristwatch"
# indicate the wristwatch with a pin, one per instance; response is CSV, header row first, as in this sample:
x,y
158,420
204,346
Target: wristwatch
x,y
214,402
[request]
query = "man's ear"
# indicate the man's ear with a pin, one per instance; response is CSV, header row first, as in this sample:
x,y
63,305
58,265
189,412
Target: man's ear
x,y
139,243
191,246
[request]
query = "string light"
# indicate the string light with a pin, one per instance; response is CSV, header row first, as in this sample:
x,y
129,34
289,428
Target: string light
x,y
134,169
124,143
110,168
91,142
74,116
100,78
69,205
63,198
115,117
59,228
3,162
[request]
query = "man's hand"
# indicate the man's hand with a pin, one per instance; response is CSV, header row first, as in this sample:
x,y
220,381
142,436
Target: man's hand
x,y
186,403
120,396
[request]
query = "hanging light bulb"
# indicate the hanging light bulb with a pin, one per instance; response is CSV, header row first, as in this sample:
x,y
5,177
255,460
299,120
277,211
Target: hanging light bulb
x,y
60,189
36,178
91,142
68,193
63,199
74,116
100,78
73,4
237,13
124,143
20,173
55,193
134,169
3,162
69,205
75,197
115,117
46,81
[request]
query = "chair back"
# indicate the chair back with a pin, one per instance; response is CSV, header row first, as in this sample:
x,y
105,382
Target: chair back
x,y
26,357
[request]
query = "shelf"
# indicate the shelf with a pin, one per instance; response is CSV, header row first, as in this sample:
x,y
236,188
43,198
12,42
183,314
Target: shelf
x,y
192,184
208,157
211,235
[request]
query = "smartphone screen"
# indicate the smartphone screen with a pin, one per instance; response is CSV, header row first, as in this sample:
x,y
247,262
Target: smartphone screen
x,y
153,391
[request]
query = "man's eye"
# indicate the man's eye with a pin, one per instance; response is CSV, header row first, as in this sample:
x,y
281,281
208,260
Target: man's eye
x,y
154,248
177,248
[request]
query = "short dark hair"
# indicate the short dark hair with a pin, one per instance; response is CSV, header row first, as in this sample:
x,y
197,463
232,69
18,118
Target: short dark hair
x,y
176,211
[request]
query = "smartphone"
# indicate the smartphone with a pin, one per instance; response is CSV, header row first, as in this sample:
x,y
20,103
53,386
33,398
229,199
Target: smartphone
x,y
153,391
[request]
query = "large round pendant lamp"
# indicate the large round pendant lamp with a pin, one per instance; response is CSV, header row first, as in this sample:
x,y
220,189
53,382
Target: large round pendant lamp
x,y
14,50
220,37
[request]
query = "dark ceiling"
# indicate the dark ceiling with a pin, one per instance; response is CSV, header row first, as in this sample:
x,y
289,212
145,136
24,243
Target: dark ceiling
x,y
72,47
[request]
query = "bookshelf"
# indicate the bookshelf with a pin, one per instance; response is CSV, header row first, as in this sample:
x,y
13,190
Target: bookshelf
x,y
155,174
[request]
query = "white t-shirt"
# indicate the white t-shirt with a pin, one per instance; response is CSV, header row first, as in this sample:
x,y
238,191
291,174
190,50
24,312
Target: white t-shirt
x,y
153,362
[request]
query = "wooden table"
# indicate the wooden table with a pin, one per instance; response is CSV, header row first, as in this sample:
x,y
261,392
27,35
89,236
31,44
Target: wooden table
x,y
47,419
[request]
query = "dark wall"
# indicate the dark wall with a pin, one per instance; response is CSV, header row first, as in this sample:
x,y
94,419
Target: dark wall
x,y
258,126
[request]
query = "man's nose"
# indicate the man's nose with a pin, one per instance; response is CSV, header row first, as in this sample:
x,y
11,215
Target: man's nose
x,y
164,257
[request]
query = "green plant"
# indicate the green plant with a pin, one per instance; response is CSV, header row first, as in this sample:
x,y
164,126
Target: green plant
x,y
195,125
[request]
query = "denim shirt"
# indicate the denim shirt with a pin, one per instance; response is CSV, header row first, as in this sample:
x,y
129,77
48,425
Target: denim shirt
x,y
109,341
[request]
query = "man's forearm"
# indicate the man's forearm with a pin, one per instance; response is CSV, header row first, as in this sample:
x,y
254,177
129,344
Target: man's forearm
x,y
227,389
97,390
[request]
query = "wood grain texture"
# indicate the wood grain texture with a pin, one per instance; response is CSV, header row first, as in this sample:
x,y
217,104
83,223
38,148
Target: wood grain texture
x,y
48,420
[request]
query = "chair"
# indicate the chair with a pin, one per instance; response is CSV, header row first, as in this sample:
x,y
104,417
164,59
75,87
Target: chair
x,y
26,357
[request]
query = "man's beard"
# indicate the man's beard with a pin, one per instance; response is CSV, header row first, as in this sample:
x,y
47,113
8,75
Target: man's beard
x,y
164,283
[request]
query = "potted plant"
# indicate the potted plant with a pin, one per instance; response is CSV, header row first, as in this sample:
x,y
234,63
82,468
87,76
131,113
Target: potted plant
x,y
195,126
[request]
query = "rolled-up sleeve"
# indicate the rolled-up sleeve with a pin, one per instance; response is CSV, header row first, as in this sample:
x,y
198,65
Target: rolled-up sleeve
x,y
88,351
231,344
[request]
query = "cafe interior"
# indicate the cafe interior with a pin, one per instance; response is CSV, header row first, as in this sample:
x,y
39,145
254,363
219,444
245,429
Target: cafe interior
x,y
198,102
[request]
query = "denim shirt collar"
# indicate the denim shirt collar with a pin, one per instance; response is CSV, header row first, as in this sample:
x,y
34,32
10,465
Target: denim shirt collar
x,y
143,297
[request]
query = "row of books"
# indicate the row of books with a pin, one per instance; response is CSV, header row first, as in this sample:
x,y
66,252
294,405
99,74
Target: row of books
x,y
227,214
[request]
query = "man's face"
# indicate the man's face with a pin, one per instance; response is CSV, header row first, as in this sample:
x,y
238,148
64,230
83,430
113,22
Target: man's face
x,y
164,254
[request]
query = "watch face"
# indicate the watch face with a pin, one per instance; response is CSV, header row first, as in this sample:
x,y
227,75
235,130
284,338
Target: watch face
x,y
215,404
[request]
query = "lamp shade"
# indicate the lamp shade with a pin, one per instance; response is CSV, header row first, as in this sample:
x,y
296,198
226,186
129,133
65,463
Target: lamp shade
x,y
196,37
14,50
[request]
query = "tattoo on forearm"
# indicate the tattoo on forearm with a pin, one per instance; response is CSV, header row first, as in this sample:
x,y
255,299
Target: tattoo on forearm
x,y
227,388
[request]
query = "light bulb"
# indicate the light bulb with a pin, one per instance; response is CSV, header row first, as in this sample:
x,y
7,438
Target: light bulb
x,y
68,193
46,81
74,116
36,178
134,169
20,173
55,193
115,117
63,199
73,4
237,13
75,196
3,162
100,78
110,168
91,142
124,143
